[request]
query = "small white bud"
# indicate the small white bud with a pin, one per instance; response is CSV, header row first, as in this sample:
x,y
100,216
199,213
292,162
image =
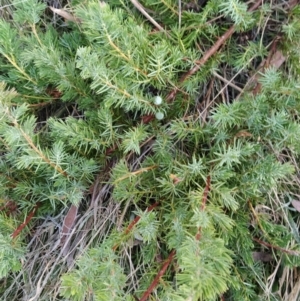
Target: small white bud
x,y
158,100
159,115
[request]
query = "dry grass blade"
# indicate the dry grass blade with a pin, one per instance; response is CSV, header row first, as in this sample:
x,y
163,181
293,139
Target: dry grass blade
x,y
296,205
47,259
65,14
140,7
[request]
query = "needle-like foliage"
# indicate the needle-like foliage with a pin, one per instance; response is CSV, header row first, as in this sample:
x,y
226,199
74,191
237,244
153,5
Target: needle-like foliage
x,y
172,128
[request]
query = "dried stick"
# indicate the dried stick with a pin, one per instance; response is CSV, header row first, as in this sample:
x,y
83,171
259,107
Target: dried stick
x,y
158,276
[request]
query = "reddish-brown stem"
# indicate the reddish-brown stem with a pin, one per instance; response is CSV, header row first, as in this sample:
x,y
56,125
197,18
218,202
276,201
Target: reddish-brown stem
x,y
205,194
158,276
147,118
208,54
135,221
290,252
27,220
137,218
9,207
203,205
111,149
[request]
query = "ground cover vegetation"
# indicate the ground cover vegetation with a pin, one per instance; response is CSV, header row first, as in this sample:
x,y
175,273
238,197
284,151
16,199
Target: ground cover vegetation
x,y
149,150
